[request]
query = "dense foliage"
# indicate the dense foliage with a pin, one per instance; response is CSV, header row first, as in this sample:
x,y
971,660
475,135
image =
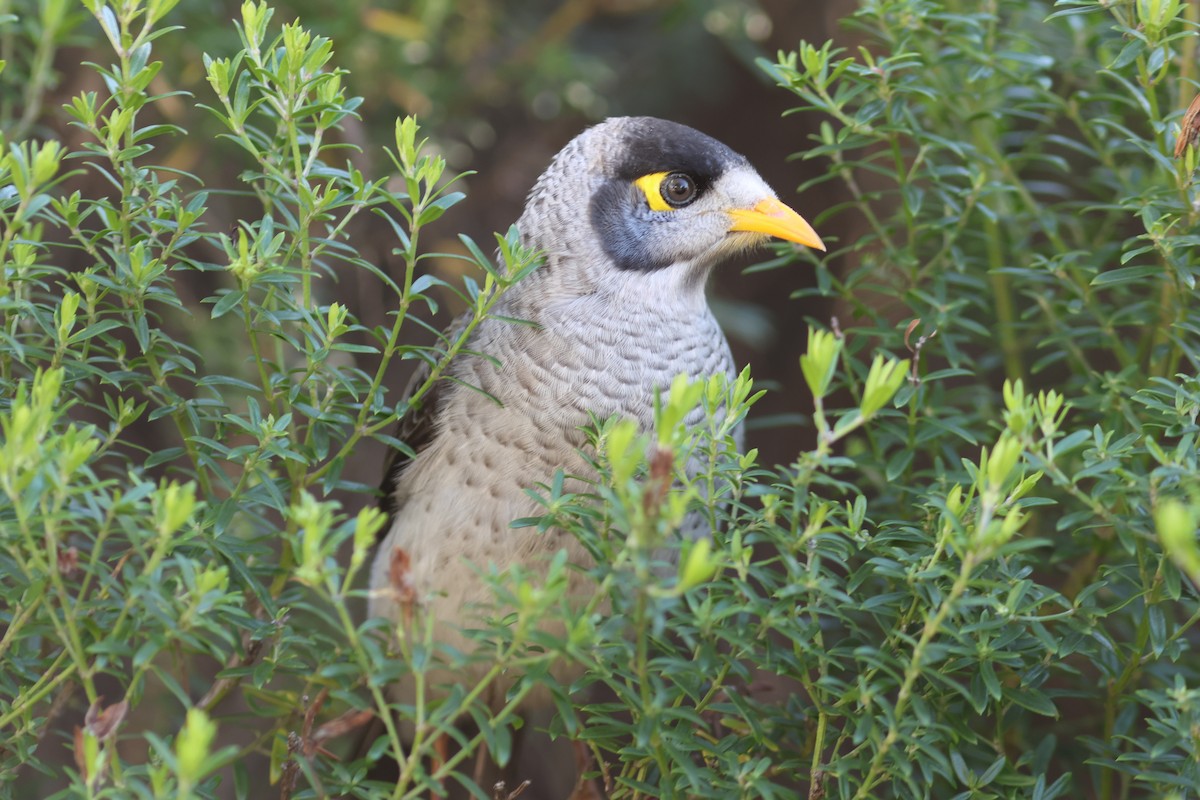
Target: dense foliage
x,y
980,581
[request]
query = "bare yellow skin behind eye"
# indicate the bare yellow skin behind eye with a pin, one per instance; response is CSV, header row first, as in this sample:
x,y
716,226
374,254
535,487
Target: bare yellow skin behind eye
x,y
651,186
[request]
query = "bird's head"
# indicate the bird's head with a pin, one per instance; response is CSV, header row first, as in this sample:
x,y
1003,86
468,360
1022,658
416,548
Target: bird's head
x,y
641,195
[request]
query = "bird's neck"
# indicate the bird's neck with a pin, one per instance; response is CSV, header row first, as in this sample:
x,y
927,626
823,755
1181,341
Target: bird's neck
x,y
567,278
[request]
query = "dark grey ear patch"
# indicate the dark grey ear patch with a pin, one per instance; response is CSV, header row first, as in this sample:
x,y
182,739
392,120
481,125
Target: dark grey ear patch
x,y
624,225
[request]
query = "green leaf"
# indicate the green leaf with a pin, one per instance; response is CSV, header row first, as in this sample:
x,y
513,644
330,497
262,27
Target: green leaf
x,y
1124,275
231,299
1033,700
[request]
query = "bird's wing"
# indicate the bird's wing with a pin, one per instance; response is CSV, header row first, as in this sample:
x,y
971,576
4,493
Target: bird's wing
x,y
416,428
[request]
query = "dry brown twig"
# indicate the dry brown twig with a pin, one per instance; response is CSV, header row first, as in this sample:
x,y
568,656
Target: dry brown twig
x,y
1189,127
915,349
500,790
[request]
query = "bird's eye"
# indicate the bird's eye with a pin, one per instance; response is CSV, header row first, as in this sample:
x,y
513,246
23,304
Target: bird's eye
x,y
678,189
667,191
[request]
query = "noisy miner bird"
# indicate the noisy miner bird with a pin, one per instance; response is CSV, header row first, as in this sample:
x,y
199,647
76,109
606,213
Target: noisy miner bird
x,y
630,218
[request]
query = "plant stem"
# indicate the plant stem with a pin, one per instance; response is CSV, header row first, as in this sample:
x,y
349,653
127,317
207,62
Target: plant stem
x,y
932,627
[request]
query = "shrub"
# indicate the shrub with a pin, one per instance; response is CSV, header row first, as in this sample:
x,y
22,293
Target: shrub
x,y
979,581
176,574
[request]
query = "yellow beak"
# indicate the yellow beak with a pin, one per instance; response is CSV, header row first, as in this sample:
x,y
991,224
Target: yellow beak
x,y
773,218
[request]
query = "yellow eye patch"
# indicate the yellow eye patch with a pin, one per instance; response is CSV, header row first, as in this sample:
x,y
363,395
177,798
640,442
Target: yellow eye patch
x,y
651,186
667,191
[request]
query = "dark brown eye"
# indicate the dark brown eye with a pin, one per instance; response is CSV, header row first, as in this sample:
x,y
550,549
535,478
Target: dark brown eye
x,y
678,189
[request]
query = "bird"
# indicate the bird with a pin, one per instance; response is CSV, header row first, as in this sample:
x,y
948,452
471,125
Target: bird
x,y
630,219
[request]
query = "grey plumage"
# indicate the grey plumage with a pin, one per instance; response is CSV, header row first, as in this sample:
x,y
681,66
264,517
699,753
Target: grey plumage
x,y
618,310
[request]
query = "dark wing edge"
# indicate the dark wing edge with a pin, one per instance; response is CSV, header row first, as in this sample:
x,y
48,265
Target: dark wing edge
x,y
417,428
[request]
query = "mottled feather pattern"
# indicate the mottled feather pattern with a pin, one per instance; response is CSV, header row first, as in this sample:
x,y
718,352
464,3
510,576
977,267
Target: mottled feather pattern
x,y
459,496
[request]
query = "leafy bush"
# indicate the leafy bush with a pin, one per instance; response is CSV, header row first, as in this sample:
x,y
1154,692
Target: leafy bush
x,y
979,581
178,574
